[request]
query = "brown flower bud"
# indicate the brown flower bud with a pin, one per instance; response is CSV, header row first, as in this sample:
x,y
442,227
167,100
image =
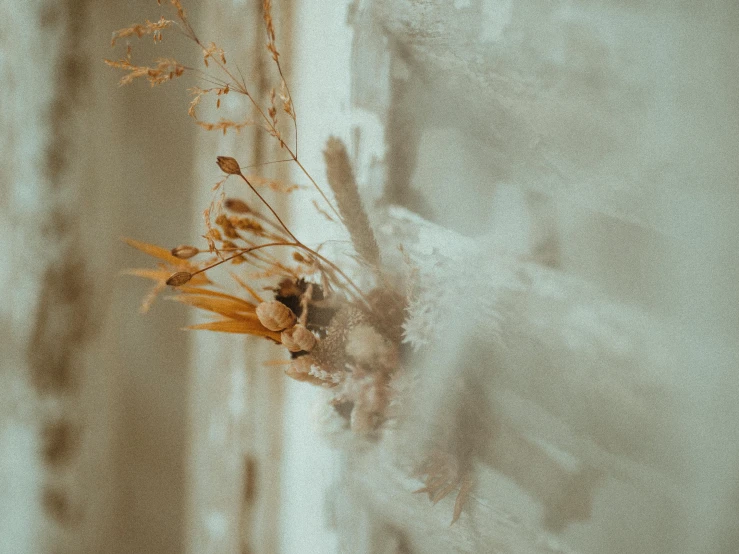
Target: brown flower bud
x,y
185,251
228,165
179,278
275,316
298,338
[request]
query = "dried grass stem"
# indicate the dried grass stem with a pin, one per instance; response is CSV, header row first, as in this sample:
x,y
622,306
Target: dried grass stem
x,y
271,209
341,179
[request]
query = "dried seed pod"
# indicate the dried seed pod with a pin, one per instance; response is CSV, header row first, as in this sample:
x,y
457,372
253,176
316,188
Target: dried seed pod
x,y
275,316
228,165
179,278
298,338
185,251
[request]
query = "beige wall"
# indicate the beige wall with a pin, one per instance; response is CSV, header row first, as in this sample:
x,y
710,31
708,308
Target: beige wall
x,y
85,163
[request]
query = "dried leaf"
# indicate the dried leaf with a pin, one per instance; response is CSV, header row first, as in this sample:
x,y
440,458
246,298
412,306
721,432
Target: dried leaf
x,y
247,288
232,326
233,308
157,252
208,292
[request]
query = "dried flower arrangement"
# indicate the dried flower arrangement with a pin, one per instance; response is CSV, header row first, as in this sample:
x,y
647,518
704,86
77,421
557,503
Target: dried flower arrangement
x,y
339,335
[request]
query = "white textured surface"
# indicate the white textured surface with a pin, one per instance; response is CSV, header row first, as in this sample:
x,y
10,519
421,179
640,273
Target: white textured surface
x,y
610,382
577,386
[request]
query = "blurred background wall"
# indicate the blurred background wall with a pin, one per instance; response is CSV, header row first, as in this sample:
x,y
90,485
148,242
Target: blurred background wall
x,y
95,410
120,432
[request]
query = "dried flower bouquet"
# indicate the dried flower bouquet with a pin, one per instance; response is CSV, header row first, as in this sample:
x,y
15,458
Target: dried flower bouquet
x,y
340,336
